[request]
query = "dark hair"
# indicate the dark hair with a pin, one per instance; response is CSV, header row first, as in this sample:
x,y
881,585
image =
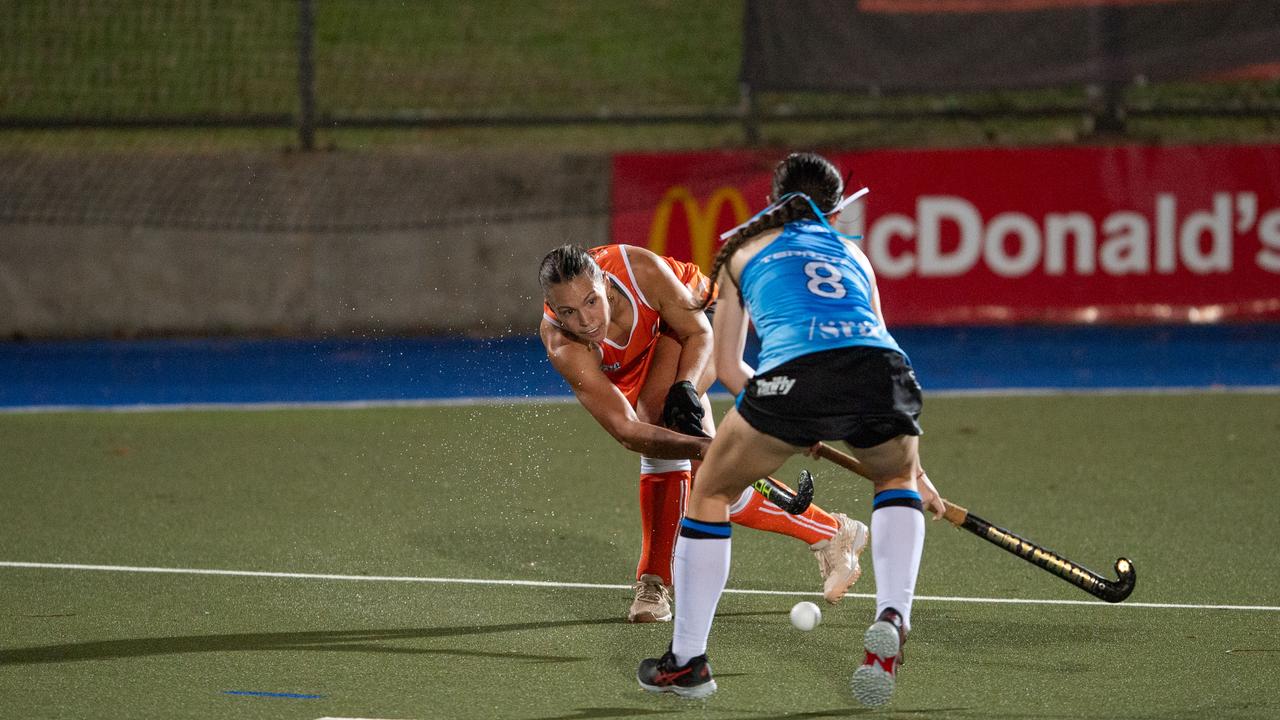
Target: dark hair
x,y
808,173
566,263
811,174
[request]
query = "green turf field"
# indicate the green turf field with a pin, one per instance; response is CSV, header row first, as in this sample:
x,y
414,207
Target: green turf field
x,y
1182,484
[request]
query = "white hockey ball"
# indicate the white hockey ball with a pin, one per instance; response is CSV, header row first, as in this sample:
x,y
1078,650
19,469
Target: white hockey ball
x,y
805,616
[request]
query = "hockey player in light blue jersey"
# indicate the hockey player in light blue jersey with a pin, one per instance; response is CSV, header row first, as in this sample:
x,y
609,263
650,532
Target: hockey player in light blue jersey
x,y
828,370
836,305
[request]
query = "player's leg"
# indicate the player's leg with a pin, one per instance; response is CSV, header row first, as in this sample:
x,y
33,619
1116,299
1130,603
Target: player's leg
x,y
738,456
664,485
897,522
814,526
835,540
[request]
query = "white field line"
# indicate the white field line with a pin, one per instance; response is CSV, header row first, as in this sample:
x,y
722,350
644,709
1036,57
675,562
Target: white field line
x,y
590,586
561,399
305,405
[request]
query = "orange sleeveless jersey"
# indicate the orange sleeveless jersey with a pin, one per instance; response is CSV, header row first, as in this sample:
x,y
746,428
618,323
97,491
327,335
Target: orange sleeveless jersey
x,y
627,365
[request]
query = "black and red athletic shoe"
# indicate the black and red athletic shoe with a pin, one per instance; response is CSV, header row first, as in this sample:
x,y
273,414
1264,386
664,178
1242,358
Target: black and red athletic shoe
x,y
691,680
874,680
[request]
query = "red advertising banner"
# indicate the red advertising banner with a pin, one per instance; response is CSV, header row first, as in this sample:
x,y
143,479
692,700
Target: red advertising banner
x,y
1099,234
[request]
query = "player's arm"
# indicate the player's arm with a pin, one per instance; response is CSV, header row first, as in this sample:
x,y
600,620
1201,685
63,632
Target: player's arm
x,y
580,366
861,258
929,494
679,310
684,319
731,336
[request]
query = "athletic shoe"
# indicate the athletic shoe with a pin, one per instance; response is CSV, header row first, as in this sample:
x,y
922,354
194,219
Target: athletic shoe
x,y
838,557
691,680
873,682
652,602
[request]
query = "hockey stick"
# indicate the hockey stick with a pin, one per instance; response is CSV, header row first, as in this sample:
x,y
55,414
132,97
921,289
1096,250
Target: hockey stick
x,y
1112,591
794,502
775,492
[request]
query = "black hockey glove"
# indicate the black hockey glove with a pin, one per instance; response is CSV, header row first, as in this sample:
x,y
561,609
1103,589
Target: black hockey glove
x,y
683,409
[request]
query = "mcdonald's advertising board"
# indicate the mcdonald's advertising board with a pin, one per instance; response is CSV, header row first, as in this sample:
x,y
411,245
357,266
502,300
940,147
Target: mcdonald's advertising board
x,y
987,236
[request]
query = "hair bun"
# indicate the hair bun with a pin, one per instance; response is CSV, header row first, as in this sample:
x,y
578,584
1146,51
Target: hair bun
x,y
811,174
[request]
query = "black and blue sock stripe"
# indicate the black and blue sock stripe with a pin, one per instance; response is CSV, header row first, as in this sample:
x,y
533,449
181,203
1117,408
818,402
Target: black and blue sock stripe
x,y
897,498
698,529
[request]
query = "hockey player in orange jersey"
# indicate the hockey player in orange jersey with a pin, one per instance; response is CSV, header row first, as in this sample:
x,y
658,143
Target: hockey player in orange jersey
x,y
623,326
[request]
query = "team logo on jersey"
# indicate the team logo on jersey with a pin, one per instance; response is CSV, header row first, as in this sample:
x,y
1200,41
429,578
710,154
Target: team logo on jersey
x,y
838,329
611,367
780,385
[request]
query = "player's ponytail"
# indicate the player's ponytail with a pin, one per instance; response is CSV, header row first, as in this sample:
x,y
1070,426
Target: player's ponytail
x,y
564,264
795,208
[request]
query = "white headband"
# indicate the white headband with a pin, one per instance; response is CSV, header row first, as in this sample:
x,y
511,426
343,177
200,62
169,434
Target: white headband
x,y
839,206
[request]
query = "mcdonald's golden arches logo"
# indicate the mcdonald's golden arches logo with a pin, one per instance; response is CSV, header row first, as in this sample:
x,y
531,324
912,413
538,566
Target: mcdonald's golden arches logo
x,y
701,220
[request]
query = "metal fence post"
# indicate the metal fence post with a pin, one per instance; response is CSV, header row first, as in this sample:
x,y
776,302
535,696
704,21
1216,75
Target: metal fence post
x,y
1109,118
306,76
747,108
749,113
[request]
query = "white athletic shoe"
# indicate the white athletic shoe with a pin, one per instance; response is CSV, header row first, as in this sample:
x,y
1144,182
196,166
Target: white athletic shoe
x,y
838,557
873,681
652,602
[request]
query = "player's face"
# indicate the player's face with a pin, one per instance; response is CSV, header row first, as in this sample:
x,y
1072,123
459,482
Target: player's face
x,y
582,307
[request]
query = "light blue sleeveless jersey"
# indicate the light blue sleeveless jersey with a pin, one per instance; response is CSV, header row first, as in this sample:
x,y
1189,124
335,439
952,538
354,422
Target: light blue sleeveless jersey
x,y
806,294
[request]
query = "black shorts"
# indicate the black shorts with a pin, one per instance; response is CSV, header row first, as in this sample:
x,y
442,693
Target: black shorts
x,y
862,395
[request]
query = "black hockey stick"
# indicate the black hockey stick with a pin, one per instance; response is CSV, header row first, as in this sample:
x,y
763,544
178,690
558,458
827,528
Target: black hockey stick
x,y
1112,591
795,502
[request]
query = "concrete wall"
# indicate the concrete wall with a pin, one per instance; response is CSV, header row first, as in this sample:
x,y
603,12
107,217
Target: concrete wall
x,y
287,243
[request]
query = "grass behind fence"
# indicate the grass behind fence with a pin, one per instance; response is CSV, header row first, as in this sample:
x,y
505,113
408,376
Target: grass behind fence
x,y
112,60
90,58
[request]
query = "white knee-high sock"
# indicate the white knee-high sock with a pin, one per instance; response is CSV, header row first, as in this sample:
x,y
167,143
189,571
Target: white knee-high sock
x,y
701,570
897,540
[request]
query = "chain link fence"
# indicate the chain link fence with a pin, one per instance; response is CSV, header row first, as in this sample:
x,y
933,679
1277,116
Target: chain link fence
x,y
362,63
74,62
309,64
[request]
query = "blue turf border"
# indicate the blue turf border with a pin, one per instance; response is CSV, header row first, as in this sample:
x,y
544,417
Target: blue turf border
x,y
234,371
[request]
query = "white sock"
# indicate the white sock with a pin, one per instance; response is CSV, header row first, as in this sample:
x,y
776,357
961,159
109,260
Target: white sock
x,y
701,571
740,504
897,540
